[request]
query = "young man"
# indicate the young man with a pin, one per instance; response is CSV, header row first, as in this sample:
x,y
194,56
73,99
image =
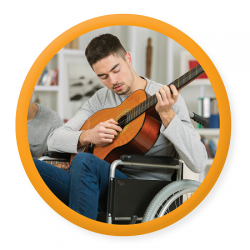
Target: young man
x,y
84,188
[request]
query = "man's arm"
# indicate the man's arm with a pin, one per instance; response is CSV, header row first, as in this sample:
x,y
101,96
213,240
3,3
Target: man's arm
x,y
70,139
179,130
65,138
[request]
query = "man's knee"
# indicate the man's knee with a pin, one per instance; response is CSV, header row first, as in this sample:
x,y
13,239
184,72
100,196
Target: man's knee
x,y
82,162
83,158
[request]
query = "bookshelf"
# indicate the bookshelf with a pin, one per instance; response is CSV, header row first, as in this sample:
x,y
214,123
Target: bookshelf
x,y
208,132
53,97
200,82
40,88
196,89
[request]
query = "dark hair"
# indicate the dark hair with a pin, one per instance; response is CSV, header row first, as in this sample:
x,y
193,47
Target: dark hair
x,y
103,46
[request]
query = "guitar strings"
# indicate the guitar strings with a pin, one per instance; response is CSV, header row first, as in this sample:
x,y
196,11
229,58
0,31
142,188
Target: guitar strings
x,y
132,114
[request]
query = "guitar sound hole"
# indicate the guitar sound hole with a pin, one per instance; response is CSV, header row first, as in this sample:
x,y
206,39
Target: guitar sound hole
x,y
122,121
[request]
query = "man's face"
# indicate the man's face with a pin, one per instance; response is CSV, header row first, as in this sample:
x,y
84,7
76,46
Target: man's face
x,y
115,73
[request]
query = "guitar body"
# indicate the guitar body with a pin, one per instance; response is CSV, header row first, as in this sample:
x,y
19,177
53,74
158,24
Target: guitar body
x,y
137,137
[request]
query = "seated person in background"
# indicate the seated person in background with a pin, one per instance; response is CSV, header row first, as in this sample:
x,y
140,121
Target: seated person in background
x,y
85,186
41,122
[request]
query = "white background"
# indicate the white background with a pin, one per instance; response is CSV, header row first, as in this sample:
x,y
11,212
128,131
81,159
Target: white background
x,y
221,28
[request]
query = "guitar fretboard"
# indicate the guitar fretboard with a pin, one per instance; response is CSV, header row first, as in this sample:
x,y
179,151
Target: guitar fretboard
x,y
151,101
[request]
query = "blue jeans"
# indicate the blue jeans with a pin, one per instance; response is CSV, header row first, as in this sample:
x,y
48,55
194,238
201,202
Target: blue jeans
x,y
84,188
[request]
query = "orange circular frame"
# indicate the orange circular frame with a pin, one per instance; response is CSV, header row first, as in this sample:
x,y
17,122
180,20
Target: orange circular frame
x,y
22,110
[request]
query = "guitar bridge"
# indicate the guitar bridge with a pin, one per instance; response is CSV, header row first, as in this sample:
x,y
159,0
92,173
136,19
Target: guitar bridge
x,y
91,147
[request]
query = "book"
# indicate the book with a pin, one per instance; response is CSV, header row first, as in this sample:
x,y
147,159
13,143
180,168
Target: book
x,y
214,121
55,77
210,145
207,108
44,77
205,142
49,77
40,78
199,110
194,63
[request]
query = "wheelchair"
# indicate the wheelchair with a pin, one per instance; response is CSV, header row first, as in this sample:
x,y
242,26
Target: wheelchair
x,y
133,201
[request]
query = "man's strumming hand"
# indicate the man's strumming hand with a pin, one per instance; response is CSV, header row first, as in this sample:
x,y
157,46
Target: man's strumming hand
x,y
101,134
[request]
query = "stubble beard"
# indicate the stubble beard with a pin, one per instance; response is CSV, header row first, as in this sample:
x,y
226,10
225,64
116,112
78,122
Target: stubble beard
x,y
131,79
118,91
125,91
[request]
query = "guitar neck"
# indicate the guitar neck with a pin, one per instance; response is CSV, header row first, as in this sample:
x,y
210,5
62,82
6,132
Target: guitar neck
x,y
151,101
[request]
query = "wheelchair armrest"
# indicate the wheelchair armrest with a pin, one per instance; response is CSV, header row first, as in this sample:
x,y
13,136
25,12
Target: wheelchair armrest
x,y
55,156
149,162
162,160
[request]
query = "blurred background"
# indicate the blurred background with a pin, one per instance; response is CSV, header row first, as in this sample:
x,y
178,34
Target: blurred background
x,y
68,80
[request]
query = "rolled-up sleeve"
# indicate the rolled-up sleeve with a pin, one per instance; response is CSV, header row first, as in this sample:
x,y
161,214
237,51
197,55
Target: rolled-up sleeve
x,y
185,139
65,138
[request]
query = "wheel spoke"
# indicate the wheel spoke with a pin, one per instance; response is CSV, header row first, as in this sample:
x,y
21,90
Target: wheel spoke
x,y
171,195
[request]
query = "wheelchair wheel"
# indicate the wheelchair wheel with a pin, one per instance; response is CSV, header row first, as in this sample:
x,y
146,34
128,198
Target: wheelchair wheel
x,y
169,198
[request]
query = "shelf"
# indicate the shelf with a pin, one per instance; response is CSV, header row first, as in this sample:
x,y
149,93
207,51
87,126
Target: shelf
x,y
46,88
209,131
72,52
200,82
209,162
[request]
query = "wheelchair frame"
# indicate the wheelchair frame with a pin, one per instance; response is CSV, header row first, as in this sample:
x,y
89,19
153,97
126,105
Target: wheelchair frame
x,y
154,162
137,161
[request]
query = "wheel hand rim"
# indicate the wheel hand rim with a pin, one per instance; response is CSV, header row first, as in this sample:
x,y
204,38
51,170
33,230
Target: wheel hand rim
x,y
173,198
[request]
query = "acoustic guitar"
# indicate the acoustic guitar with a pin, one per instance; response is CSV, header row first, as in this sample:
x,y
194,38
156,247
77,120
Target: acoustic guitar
x,y
139,120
